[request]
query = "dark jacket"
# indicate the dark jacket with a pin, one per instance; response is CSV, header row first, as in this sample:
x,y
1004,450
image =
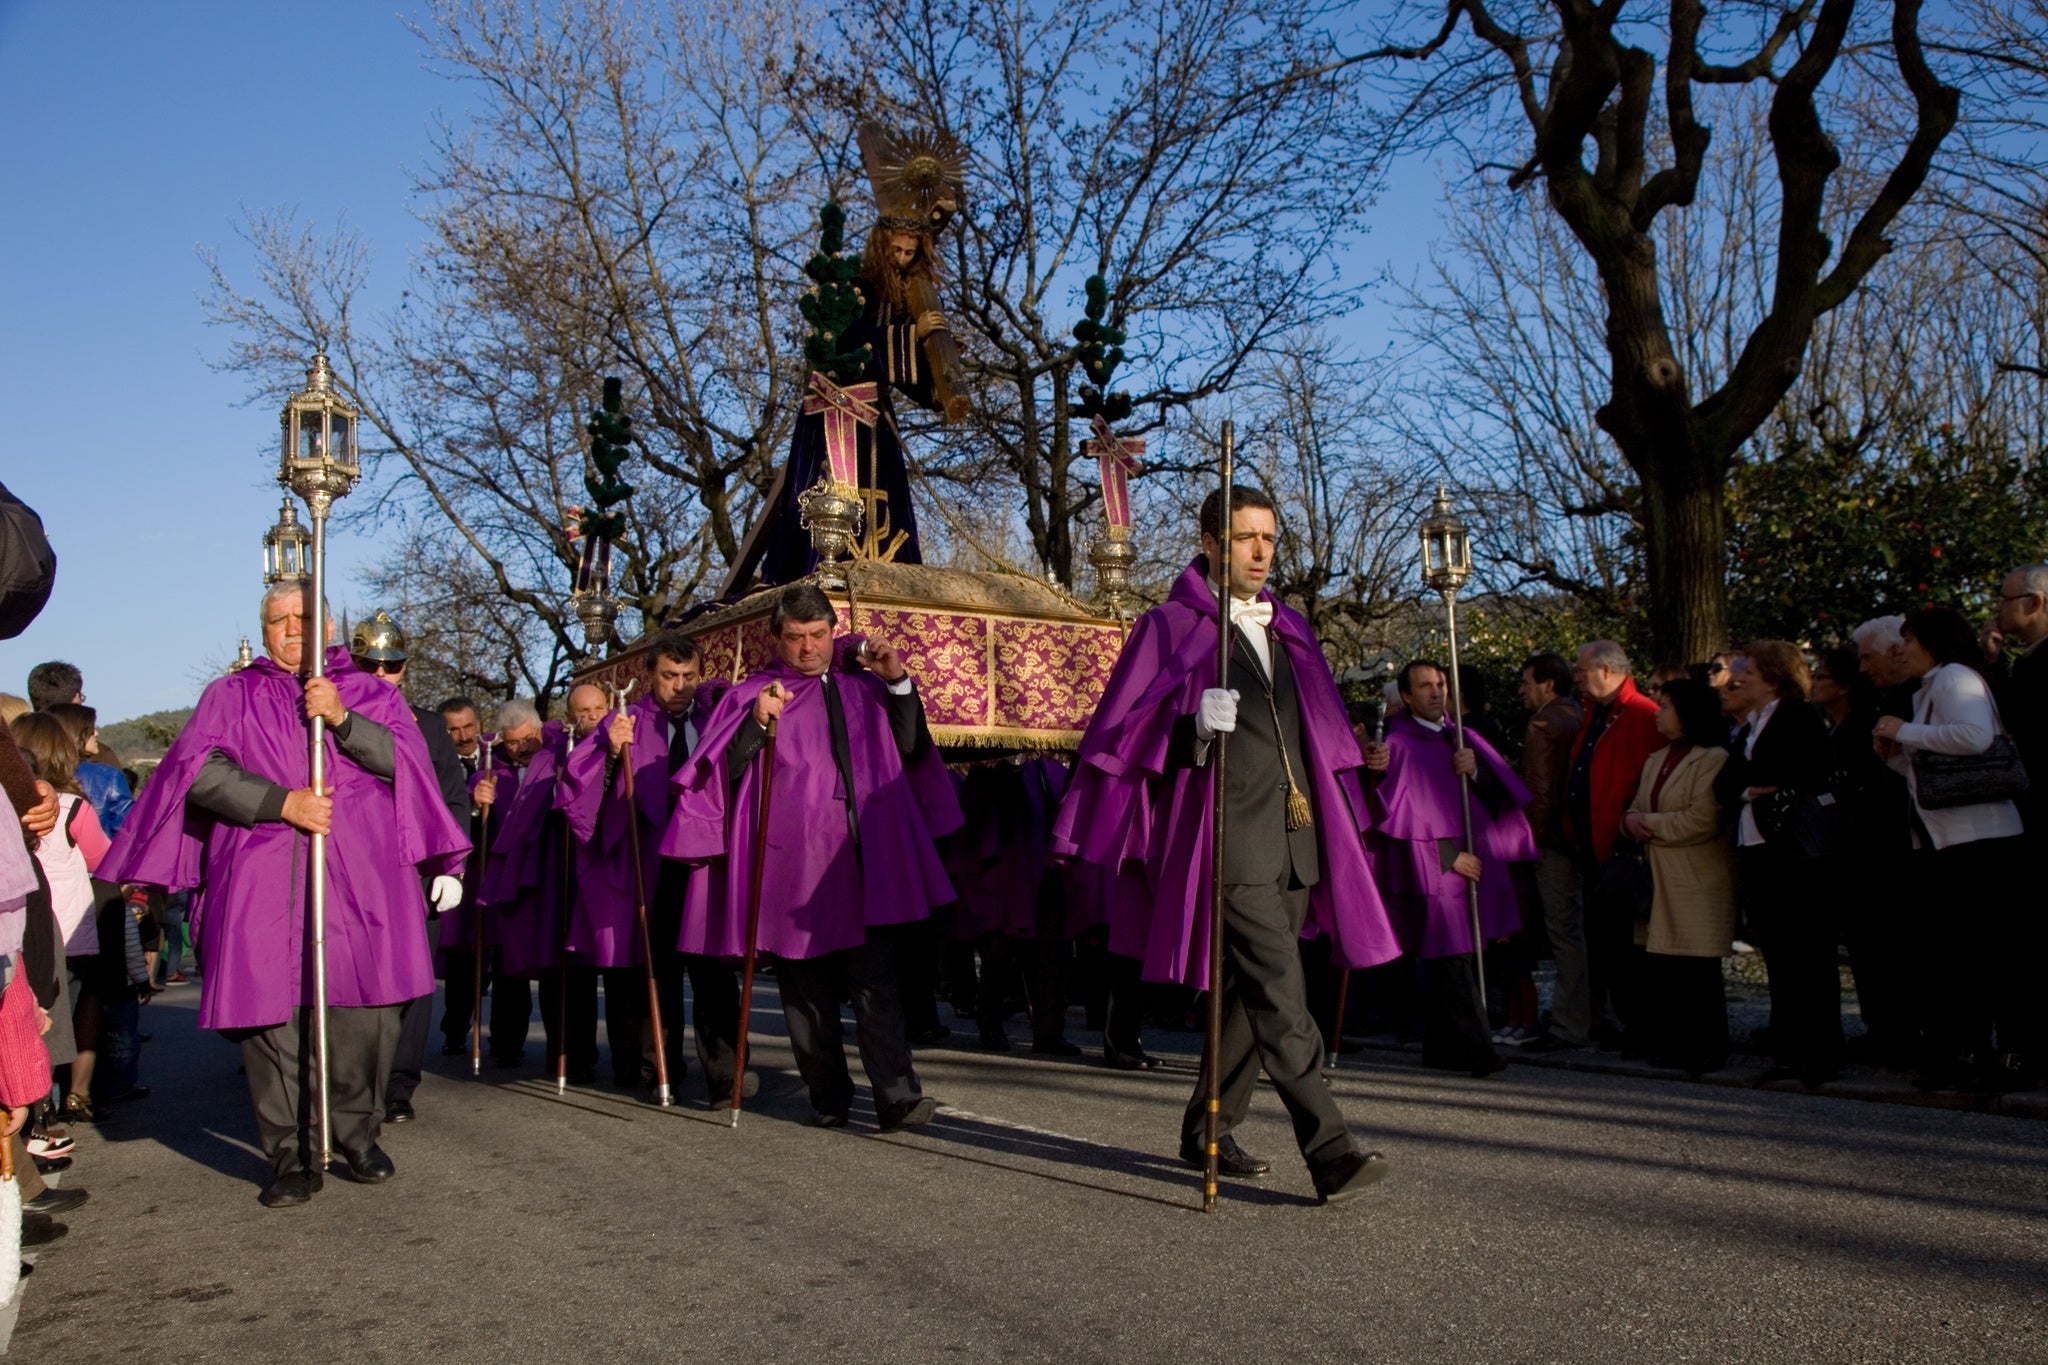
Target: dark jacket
x,y
1792,754
448,769
2023,706
1546,758
28,566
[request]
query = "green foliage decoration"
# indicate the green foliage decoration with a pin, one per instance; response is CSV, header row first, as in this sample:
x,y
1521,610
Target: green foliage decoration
x,y
1101,351
611,436
835,305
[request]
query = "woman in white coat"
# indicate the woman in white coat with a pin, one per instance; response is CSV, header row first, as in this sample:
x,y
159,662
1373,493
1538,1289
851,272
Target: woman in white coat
x,y
1969,869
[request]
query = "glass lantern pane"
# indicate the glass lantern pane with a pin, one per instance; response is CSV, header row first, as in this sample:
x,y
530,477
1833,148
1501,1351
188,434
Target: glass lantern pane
x,y
344,447
307,425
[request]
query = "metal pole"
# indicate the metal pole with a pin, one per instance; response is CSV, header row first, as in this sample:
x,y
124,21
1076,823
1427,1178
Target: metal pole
x,y
563,913
316,640
1465,801
739,1070
1219,752
476,910
661,1090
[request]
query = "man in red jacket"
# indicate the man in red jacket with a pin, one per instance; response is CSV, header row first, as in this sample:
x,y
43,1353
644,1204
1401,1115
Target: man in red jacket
x,y
1620,733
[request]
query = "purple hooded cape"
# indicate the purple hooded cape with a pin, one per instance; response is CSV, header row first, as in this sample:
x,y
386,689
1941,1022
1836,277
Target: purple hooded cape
x,y
252,925
652,787
817,896
1414,806
522,886
998,858
1124,812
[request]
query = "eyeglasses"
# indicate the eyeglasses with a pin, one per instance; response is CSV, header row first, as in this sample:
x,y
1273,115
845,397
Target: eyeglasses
x,y
381,665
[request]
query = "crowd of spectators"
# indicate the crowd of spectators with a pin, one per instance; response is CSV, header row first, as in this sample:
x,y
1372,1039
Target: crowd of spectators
x,y
1872,800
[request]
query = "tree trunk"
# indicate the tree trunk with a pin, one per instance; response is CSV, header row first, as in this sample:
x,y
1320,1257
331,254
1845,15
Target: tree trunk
x,y
1685,557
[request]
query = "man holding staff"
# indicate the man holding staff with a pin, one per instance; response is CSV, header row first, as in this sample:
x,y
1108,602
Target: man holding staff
x,y
1295,865
230,808
858,797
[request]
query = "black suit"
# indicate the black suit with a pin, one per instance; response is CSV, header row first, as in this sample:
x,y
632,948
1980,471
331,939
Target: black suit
x,y
1785,904
416,1017
1267,872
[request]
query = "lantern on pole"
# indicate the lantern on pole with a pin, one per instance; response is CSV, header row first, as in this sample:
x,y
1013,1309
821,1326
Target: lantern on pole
x,y
1446,565
287,547
319,464
244,656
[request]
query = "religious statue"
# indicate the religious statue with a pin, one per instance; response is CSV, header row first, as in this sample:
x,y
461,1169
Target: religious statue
x,y
875,327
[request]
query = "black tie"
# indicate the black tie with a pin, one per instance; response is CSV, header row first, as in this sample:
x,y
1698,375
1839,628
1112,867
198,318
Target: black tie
x,y
678,753
842,751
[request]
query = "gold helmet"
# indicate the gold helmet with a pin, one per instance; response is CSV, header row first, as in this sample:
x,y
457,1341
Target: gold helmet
x,y
379,640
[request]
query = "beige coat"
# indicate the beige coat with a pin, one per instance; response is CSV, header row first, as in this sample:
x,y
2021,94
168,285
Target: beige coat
x,y
1692,860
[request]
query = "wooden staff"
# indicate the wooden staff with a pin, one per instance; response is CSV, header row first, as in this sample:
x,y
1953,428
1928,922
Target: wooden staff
x,y
661,1089
739,1070
1219,795
476,910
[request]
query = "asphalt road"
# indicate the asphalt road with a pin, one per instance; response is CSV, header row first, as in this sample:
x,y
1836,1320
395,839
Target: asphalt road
x,y
1539,1216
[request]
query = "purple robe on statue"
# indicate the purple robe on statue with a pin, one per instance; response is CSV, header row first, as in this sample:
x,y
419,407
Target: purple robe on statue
x,y
251,927
999,857
818,895
522,890
1416,818
1124,811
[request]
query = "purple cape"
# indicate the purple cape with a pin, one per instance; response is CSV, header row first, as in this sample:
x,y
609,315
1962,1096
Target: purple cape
x,y
252,925
652,788
998,858
522,886
458,928
604,926
818,896
1125,812
1415,806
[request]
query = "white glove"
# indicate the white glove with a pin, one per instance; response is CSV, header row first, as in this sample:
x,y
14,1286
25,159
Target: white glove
x,y
1217,715
445,893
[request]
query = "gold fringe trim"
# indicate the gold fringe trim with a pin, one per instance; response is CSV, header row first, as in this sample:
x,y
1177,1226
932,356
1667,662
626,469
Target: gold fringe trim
x,y
1004,737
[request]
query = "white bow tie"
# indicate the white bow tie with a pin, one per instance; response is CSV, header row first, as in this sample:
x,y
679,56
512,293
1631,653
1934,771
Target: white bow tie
x,y
1258,612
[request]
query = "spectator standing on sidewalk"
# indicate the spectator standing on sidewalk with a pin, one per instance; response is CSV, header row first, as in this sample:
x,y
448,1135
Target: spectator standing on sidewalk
x,y
1546,760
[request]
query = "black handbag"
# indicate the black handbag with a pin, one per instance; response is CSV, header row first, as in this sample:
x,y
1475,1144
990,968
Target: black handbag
x,y
1817,825
1625,878
1945,781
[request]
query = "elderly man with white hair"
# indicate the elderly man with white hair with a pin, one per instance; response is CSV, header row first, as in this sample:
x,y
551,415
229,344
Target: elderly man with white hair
x,y
231,808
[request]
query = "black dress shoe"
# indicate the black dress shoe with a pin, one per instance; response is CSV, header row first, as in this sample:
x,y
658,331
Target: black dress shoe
x,y
1231,1159
505,1061
39,1230
454,1047
50,1165
1140,1060
1348,1175
925,1037
291,1189
371,1167
1550,1042
1056,1047
907,1114
994,1040
399,1111
55,1201
833,1120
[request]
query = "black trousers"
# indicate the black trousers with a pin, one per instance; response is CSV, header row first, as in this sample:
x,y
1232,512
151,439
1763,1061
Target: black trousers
x,y
714,1017
1786,916
1689,1022
1454,1031
282,1078
813,988
511,1002
1266,1020
1882,929
415,1019
1613,963
625,1013
1981,970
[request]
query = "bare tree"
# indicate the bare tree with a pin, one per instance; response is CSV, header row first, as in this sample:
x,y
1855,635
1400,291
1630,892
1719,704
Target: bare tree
x,y
1208,158
1591,92
633,196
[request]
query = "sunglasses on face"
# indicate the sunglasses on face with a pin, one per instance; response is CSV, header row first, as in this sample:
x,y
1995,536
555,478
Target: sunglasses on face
x,y
382,666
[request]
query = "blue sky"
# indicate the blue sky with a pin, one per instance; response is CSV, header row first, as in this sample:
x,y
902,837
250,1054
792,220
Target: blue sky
x,y
137,133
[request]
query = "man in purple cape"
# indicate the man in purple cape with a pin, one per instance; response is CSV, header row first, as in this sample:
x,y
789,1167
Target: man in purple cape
x,y
511,996
859,796
1140,799
668,719
230,807
603,940
999,860
1418,854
